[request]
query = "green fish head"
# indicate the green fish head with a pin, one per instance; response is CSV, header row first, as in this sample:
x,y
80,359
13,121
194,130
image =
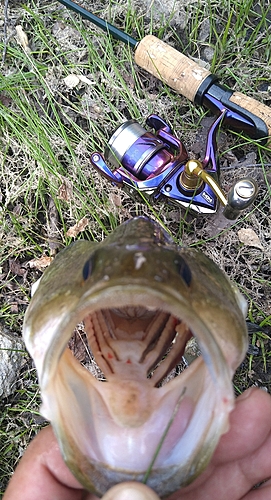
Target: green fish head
x,y
140,299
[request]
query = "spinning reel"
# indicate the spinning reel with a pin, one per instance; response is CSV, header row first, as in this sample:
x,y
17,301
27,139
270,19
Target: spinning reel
x,y
158,166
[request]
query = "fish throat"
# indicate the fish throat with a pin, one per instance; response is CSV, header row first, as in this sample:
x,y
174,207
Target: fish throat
x,y
131,342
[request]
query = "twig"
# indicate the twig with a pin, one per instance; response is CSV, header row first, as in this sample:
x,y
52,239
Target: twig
x,y
53,227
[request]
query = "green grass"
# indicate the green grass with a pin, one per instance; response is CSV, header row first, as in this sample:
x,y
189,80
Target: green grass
x,y
19,423
48,132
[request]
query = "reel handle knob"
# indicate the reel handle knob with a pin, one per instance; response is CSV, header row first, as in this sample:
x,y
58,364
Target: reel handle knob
x,y
241,195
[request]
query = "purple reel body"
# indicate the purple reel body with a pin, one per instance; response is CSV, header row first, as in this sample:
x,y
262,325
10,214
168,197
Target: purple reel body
x,y
153,164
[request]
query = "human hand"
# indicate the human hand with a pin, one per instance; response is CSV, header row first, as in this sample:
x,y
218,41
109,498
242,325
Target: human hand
x,y
242,459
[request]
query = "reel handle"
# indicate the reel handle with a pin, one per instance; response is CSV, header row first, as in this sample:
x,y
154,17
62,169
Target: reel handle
x,y
241,195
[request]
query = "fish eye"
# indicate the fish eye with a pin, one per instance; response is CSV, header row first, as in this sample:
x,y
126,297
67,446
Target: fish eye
x,y
183,270
87,269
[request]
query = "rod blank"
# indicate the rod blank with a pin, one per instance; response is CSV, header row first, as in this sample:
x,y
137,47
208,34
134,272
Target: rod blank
x,y
104,25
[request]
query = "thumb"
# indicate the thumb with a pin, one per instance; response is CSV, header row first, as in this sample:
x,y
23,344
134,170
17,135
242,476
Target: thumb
x,y
130,491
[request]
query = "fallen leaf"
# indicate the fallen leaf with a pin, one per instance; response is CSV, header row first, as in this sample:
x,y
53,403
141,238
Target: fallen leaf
x,y
65,190
249,238
77,228
86,80
41,263
16,268
14,308
115,199
218,223
72,80
6,101
22,38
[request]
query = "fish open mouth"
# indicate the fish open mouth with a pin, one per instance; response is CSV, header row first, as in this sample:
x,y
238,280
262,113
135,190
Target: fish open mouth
x,y
132,425
140,299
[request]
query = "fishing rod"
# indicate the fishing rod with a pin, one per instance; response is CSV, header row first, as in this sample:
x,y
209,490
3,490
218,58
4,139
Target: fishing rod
x,y
189,79
156,165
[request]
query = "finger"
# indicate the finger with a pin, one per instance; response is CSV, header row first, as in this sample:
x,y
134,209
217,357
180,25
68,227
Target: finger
x,y
257,467
250,424
233,480
130,491
262,493
242,458
42,473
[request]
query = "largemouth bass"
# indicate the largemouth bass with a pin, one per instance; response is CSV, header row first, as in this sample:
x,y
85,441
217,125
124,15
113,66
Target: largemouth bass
x,y
140,298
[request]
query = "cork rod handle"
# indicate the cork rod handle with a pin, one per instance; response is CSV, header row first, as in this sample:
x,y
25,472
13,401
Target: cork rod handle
x,y
185,76
255,107
172,67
